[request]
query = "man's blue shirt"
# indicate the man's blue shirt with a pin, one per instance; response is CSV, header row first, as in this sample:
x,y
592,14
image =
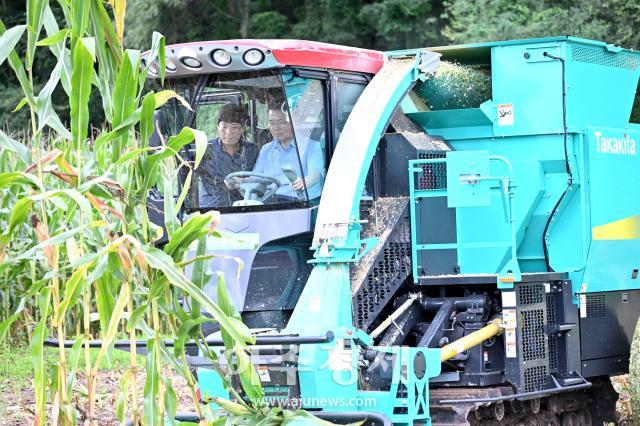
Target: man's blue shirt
x,y
273,157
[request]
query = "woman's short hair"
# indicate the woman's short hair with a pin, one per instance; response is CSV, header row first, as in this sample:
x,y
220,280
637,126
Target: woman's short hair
x,y
231,113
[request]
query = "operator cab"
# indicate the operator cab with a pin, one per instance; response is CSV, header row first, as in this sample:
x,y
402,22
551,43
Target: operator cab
x,y
272,112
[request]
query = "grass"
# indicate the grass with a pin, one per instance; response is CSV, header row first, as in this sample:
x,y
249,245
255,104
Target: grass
x,y
16,369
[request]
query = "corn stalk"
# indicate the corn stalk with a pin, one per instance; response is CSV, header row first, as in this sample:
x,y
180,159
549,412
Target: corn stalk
x,y
78,254
76,235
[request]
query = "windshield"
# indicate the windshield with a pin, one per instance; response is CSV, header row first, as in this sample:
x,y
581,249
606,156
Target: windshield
x,y
266,137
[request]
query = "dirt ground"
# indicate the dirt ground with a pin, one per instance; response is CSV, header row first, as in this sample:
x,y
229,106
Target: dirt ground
x,y
19,404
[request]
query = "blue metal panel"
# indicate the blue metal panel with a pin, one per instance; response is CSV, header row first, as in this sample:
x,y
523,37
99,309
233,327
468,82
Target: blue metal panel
x,y
415,405
602,84
614,165
531,86
467,185
325,303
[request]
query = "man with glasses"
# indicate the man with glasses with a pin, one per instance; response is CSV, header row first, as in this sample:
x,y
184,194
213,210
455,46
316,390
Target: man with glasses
x,y
228,153
281,158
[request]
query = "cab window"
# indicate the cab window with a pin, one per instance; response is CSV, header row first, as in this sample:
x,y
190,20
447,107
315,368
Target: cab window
x,y
265,136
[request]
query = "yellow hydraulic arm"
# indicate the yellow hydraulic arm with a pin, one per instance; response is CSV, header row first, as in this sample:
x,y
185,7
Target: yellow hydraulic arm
x,y
494,328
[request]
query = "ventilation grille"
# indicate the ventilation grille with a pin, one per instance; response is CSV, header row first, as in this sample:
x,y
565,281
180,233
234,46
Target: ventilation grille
x,y
535,378
596,306
531,294
533,337
602,57
433,176
533,361
553,339
377,277
382,282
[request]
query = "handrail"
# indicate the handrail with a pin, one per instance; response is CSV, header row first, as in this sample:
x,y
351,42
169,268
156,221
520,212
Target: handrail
x,y
260,341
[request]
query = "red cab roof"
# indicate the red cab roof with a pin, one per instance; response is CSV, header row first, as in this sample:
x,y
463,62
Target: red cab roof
x,y
308,53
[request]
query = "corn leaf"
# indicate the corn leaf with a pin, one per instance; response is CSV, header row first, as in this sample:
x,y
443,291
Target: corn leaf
x,y
184,332
72,290
147,118
106,57
116,316
104,23
163,96
35,13
11,178
20,212
193,229
43,102
18,67
54,39
71,194
55,123
200,273
136,316
170,402
119,7
104,293
80,17
15,146
22,103
4,325
158,52
151,386
157,259
72,362
58,48
100,144
166,186
185,190
53,241
121,401
83,57
151,163
249,378
227,306
124,96
37,357
201,146
8,41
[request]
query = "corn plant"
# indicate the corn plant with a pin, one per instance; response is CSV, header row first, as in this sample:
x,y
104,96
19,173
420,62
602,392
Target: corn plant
x,y
75,230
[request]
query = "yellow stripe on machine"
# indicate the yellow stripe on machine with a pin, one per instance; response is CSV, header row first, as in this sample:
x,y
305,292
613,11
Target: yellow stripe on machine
x,y
623,229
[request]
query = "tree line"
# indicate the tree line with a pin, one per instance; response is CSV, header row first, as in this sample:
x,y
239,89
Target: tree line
x,y
375,24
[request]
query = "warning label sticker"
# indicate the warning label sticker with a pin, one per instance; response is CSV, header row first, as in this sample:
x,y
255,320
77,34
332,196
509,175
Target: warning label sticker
x,y
263,373
510,323
505,114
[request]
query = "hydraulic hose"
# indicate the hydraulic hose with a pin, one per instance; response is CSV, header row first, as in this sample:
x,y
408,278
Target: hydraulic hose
x,y
566,156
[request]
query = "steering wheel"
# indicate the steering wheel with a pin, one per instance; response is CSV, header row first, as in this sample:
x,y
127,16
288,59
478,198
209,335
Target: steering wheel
x,y
256,188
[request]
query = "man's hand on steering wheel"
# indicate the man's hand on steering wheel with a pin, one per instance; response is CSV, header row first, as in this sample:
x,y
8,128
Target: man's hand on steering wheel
x,y
298,184
252,185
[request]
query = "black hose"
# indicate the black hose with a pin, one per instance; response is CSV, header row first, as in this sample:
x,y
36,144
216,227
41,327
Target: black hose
x,y
566,156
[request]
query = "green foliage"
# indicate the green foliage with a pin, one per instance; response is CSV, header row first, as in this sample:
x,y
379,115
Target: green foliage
x,y
76,240
269,24
400,24
332,21
486,20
